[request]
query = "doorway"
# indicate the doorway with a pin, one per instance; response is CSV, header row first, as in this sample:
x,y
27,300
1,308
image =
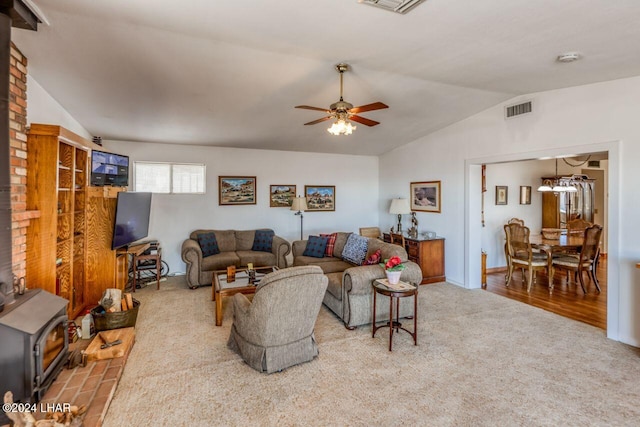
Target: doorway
x,y
473,225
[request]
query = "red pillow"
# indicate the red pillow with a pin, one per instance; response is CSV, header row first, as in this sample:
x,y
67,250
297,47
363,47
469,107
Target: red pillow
x,y
331,242
375,258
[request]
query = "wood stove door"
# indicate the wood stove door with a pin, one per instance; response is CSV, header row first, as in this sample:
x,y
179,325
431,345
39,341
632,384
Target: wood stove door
x,y
50,351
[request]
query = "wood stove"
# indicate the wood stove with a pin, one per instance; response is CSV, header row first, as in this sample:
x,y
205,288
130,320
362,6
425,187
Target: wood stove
x,y
34,344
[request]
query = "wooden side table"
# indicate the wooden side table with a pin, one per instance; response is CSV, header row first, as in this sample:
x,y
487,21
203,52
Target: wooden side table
x,y
155,256
402,290
428,254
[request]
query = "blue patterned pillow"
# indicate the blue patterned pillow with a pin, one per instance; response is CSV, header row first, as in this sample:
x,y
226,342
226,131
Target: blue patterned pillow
x,y
316,246
263,240
208,244
355,250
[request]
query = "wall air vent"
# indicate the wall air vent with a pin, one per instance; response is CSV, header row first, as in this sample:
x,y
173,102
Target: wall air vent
x,y
594,163
517,110
398,6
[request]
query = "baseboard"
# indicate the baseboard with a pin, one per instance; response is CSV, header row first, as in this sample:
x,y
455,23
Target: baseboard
x,y
496,270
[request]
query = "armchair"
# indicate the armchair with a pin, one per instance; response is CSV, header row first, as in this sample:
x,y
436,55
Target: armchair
x,y
275,330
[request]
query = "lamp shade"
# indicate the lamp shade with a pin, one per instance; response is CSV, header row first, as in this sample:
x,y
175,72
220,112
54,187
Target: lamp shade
x,y
399,207
299,204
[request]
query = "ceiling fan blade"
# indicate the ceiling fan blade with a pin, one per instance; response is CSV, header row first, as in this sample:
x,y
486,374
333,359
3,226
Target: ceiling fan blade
x,y
368,107
363,120
307,107
318,121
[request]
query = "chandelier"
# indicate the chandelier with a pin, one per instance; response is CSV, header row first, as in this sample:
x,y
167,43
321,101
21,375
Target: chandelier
x,y
559,184
565,185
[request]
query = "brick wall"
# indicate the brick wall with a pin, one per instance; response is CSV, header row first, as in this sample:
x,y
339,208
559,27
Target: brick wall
x,y
18,154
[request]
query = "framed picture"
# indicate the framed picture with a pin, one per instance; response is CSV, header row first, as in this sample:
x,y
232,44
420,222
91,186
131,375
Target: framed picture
x,y
425,196
236,190
502,192
281,196
320,197
525,195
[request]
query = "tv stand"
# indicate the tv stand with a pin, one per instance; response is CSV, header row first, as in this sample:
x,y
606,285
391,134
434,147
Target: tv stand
x,y
143,258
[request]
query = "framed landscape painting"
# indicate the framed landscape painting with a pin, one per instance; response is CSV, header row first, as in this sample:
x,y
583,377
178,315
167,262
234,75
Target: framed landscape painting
x,y
236,190
281,196
320,197
425,196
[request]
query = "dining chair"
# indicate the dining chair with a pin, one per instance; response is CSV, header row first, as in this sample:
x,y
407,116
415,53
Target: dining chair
x,y
516,221
506,251
397,239
587,260
370,232
521,254
578,225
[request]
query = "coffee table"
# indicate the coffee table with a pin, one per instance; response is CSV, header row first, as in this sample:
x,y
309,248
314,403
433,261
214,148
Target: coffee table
x,y
240,285
401,290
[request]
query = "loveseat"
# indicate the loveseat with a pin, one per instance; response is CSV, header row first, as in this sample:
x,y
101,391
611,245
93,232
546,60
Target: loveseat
x,y
350,293
223,248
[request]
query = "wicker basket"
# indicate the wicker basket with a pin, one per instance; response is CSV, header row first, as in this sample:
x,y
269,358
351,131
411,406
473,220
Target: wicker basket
x,y
551,233
119,319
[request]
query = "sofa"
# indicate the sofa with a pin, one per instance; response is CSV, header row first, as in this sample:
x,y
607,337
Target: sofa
x,y
349,292
234,247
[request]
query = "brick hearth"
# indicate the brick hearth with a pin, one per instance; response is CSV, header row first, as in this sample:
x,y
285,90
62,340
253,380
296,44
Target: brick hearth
x,y
92,385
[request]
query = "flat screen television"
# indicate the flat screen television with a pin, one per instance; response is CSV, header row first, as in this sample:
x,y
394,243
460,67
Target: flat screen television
x,y
109,169
132,218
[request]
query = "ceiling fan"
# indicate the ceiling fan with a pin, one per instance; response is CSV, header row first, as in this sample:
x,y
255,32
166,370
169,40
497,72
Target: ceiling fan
x,y
343,111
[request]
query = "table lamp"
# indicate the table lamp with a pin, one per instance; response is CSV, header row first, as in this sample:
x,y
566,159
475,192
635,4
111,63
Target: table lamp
x,y
399,207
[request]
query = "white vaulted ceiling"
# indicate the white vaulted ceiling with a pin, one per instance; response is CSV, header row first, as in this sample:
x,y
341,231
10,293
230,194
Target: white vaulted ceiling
x,y
228,73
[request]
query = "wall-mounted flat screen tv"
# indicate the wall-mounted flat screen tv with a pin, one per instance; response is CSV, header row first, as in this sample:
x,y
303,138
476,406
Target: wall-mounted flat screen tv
x,y
109,169
132,218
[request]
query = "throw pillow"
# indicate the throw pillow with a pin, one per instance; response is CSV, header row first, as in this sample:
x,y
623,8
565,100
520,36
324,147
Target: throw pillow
x,y
263,240
316,246
375,258
331,242
208,244
355,250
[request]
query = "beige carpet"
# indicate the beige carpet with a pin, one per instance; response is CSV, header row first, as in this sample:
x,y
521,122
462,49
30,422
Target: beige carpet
x,y
481,360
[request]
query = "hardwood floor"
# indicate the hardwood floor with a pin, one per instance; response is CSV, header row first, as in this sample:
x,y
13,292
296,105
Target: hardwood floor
x,y
567,299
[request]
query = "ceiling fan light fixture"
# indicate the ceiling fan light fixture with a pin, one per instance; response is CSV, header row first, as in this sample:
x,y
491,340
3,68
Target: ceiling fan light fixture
x,y
344,112
341,127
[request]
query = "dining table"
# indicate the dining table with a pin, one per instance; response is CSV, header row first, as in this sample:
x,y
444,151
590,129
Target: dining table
x,y
567,243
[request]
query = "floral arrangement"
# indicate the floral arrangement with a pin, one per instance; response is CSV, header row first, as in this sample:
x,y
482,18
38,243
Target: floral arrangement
x,y
392,264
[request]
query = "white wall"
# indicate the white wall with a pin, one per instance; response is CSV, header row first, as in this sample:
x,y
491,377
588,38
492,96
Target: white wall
x,y
173,217
43,109
591,118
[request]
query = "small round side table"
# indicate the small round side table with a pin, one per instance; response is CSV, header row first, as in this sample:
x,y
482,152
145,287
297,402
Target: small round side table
x,y
395,292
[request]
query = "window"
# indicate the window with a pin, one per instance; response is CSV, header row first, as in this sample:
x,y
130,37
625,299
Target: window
x,y
169,178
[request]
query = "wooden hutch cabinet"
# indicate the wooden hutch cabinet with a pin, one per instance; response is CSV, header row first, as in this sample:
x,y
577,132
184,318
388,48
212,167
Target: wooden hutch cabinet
x,y
560,207
69,244
428,254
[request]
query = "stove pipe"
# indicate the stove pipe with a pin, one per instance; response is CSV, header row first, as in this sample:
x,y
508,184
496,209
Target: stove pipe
x,y
6,242
12,13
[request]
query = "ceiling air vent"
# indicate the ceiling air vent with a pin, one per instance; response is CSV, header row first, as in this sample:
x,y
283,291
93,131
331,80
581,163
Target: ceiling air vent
x,y
398,6
517,110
